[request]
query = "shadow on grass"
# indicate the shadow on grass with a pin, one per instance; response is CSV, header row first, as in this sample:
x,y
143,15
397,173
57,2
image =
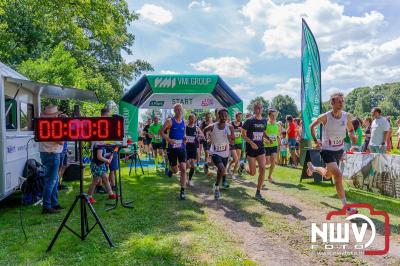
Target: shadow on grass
x,y
275,206
290,185
235,209
285,210
145,235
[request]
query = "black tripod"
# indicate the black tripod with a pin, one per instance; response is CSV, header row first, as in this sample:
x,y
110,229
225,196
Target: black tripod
x,y
134,160
83,200
125,204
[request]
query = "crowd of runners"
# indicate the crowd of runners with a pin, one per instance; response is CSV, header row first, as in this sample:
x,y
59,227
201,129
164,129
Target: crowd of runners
x,y
180,145
253,145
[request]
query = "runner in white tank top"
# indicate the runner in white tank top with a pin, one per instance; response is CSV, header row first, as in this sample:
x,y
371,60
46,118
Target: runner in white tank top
x,y
220,140
334,125
222,134
334,131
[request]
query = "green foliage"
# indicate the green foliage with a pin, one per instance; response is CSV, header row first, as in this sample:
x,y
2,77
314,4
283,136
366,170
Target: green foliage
x,y
91,109
361,100
285,105
150,113
264,102
72,43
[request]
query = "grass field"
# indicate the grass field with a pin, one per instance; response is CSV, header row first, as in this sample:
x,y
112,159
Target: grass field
x,y
161,230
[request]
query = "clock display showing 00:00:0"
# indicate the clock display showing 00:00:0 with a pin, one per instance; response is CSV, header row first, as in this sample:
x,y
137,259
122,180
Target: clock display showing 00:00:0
x,y
75,129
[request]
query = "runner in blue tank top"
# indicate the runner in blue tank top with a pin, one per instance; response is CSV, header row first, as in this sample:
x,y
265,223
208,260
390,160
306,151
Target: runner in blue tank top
x,y
176,150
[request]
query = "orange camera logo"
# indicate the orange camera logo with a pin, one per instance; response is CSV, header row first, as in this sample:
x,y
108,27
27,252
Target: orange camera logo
x,y
337,234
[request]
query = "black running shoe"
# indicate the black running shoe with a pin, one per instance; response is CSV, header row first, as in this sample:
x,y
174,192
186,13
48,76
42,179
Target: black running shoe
x,y
259,196
225,183
206,169
241,168
169,174
217,194
182,195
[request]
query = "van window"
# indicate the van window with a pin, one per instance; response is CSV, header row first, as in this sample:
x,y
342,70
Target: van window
x,y
26,117
11,118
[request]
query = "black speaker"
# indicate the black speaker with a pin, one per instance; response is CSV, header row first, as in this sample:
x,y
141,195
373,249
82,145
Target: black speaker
x,y
72,172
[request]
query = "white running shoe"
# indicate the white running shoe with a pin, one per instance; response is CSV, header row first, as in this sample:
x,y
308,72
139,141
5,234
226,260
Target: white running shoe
x,y
310,169
191,184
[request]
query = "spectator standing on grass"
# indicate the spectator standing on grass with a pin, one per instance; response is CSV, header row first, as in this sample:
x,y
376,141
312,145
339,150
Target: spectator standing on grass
x,y
380,128
147,138
358,132
367,133
50,157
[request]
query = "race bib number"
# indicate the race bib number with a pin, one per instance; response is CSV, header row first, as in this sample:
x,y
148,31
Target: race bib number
x,y
258,136
190,139
238,134
272,137
158,138
335,142
178,144
220,148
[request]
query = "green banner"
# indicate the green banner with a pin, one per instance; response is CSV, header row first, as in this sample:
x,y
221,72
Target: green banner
x,y
131,119
182,83
310,81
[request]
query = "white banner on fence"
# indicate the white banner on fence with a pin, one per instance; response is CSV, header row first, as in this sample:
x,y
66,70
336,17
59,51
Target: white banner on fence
x,y
379,173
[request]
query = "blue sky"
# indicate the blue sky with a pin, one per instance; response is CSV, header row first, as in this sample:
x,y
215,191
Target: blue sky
x,y
255,44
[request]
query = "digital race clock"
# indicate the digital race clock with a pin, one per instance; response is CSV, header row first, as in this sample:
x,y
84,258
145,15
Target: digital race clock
x,y
82,128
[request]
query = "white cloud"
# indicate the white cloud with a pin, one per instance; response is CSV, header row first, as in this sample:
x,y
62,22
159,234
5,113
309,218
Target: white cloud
x,y
168,72
155,14
367,63
225,66
249,31
291,87
368,52
281,24
238,88
203,5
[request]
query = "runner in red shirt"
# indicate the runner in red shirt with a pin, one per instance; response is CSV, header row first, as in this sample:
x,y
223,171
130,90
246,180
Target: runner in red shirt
x,y
291,133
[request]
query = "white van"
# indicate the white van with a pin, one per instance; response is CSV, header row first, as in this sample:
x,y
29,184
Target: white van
x,y
19,104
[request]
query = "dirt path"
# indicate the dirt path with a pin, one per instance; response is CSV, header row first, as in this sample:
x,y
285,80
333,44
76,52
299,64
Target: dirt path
x,y
256,243
280,248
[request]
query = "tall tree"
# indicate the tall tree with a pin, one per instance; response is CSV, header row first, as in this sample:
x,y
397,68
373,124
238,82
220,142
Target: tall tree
x,y
94,32
361,100
285,105
264,102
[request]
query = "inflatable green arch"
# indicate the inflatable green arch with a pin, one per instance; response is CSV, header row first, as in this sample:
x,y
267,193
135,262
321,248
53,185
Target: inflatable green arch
x,y
163,91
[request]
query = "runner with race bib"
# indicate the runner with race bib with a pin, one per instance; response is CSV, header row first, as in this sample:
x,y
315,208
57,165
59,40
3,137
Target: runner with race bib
x,y
221,135
334,125
253,133
156,140
273,131
176,150
236,150
192,144
206,140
